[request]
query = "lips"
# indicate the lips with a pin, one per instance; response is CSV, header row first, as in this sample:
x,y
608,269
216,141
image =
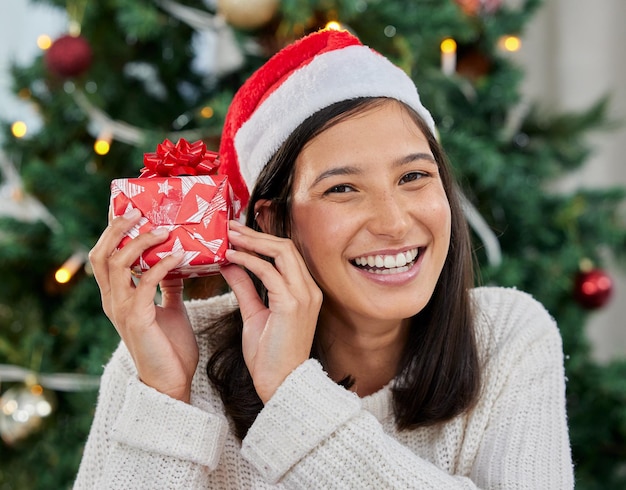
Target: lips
x,y
387,264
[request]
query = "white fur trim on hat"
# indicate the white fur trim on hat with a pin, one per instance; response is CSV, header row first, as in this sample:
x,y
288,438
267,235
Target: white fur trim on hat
x,y
334,76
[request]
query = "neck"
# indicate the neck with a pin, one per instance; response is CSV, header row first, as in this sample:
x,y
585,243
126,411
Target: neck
x,y
366,350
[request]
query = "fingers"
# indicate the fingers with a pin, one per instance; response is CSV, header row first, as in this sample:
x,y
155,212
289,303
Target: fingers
x,y
287,259
241,284
159,338
102,251
277,338
287,281
145,290
107,244
111,266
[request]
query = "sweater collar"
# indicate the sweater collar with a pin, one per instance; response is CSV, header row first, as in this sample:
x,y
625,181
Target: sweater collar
x,y
379,404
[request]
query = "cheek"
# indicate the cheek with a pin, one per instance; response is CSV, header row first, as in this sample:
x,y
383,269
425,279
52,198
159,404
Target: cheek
x,y
439,217
316,224
446,218
305,222
318,234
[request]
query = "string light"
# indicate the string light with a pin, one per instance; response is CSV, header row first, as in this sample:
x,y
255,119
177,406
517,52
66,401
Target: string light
x,y
448,45
511,43
102,145
65,273
19,129
333,25
207,112
44,41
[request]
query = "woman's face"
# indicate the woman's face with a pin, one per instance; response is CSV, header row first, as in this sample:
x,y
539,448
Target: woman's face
x,y
370,215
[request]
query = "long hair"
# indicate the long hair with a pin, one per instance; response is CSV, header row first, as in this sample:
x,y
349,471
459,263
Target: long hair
x,y
438,374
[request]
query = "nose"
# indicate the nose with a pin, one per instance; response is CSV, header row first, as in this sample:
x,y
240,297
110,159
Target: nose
x,y
388,216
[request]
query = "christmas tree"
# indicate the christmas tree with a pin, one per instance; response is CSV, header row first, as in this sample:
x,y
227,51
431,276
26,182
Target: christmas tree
x,y
130,74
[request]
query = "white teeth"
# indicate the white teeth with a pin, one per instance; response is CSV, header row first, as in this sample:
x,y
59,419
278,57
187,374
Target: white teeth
x,y
384,263
390,271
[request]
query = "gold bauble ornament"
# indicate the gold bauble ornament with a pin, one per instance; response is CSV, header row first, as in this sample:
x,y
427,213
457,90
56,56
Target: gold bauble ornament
x,y
247,14
22,410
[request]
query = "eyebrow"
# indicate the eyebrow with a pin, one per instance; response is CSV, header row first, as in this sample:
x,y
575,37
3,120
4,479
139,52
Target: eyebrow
x,y
350,170
412,157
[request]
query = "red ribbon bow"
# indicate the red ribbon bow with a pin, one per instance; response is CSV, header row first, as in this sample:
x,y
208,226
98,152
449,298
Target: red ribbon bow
x,y
182,158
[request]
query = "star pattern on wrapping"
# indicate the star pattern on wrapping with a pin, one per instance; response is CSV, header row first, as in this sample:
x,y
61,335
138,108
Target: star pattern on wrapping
x,y
188,183
203,206
212,245
127,188
165,187
178,247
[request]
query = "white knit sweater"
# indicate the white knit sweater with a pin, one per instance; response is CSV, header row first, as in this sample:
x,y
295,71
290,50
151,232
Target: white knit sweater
x,y
315,434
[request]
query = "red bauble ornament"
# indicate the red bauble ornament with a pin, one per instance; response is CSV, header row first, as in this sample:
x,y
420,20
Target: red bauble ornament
x,y
69,56
474,7
593,288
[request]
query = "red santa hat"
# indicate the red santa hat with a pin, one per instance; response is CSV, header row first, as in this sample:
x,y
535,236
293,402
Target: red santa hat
x,y
316,71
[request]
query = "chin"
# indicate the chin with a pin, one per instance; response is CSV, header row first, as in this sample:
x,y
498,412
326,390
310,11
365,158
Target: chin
x,y
400,310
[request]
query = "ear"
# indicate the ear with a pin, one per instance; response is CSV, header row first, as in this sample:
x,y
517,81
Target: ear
x,y
263,214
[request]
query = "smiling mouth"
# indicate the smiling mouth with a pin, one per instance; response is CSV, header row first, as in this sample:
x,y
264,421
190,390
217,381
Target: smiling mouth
x,y
388,264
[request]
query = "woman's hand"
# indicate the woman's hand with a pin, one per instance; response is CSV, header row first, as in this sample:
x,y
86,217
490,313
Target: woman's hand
x,y
277,339
159,338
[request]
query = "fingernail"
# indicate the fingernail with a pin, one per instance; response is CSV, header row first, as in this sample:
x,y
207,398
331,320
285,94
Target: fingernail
x,y
132,213
232,224
159,231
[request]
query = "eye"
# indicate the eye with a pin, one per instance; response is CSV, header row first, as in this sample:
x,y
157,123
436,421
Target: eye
x,y
412,177
340,189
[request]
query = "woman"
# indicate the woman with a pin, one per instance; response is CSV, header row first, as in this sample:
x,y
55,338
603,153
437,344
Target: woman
x,y
352,351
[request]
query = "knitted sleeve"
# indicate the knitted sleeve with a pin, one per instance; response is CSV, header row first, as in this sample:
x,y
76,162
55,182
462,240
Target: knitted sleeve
x,y
315,434
141,438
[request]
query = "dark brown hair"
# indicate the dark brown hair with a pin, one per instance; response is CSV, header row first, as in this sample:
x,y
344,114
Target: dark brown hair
x,y
438,375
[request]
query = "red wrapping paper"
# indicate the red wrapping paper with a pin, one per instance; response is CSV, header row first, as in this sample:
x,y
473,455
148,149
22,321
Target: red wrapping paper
x,y
194,208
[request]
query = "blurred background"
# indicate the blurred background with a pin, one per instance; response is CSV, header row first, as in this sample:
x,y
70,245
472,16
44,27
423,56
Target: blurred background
x,y
530,100
573,54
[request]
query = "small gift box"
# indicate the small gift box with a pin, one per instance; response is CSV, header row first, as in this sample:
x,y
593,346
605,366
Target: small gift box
x,y
179,189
